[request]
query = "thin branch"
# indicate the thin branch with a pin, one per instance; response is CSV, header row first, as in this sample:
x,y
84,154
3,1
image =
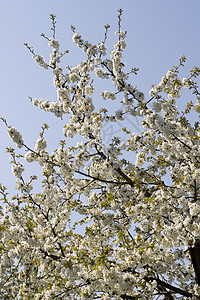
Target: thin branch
x,y
101,179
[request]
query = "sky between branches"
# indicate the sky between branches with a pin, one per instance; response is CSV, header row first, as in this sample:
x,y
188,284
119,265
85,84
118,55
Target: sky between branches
x,y
159,33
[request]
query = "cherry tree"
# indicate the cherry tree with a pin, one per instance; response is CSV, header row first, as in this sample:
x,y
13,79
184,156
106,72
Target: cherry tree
x,y
117,221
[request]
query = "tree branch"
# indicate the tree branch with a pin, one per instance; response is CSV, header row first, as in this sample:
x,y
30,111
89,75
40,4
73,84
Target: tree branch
x,y
101,179
172,288
54,257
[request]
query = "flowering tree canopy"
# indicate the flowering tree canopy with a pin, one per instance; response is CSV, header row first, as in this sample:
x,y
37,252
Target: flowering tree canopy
x,y
116,221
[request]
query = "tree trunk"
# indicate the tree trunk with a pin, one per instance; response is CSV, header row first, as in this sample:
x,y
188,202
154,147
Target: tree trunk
x,y
195,256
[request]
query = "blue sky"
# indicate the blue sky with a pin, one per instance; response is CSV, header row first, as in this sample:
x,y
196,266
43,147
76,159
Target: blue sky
x,y
159,33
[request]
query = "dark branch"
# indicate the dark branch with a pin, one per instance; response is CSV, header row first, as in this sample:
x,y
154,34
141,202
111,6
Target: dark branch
x,y
162,284
127,297
101,179
54,257
172,288
195,257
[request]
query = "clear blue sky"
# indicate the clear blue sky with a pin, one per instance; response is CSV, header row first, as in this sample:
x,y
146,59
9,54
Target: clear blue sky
x,y
159,33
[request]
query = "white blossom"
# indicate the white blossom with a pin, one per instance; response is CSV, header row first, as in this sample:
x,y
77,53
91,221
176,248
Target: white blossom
x,y
100,73
18,169
40,144
54,43
16,136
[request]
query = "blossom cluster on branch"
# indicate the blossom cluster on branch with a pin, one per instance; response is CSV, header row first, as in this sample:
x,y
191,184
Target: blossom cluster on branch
x,y
110,222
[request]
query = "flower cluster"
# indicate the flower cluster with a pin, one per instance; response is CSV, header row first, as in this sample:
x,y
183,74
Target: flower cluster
x,y
16,136
109,95
197,105
54,44
40,61
100,73
40,144
18,169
